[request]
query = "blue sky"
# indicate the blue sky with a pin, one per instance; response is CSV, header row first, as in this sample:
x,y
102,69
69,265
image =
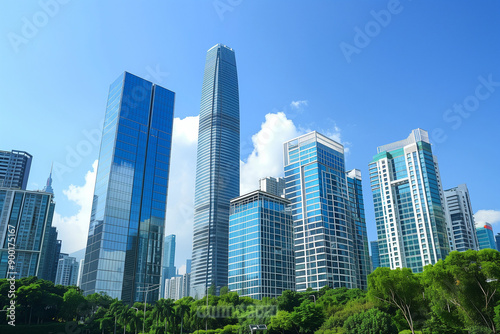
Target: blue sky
x,y
406,72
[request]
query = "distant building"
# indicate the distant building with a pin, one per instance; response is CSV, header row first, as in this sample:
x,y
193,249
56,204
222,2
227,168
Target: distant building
x,y
188,266
497,241
261,258
48,186
485,236
409,204
177,287
273,185
168,268
67,270
14,169
375,254
460,219
52,251
26,225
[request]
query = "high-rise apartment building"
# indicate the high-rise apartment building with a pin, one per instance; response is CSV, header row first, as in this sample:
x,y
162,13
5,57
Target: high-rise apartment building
x,y
261,257
25,230
123,257
273,185
409,204
168,268
67,270
460,219
14,169
485,236
331,246
217,170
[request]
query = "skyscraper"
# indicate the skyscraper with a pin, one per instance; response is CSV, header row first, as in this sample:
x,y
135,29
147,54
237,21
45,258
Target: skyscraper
x,y
67,270
261,258
409,204
273,185
52,251
25,227
48,186
217,170
14,169
497,241
168,268
331,247
460,218
485,236
127,223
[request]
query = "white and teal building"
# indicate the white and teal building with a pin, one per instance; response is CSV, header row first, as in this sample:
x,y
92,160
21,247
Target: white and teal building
x,y
409,204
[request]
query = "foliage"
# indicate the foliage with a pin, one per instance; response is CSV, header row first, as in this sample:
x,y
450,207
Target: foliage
x,y
372,321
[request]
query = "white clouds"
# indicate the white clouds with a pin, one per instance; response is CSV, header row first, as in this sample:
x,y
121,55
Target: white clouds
x,y
266,158
487,216
180,199
298,104
73,230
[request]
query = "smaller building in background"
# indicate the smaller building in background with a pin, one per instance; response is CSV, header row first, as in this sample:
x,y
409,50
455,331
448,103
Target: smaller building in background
x,y
273,185
461,227
14,169
67,270
51,259
168,267
188,266
497,241
261,257
25,225
485,236
375,255
177,287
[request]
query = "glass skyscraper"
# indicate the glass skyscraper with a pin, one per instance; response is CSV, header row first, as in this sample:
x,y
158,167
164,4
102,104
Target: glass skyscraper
x,y
375,255
409,204
217,170
331,246
127,223
461,225
485,236
261,258
25,232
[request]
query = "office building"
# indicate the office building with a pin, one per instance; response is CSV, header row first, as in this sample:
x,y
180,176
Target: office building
x,y
331,247
175,287
25,226
168,268
188,266
485,236
261,258
409,204
460,219
375,255
14,169
123,257
67,270
217,170
273,185
52,251
497,241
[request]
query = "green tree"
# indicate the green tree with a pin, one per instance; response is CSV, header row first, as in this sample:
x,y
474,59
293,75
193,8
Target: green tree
x,y
468,283
372,321
224,290
281,322
289,300
30,296
73,301
308,317
400,288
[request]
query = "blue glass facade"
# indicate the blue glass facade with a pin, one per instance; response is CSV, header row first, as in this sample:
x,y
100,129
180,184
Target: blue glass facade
x,y
261,259
330,241
14,169
29,214
485,237
125,242
409,204
375,255
217,170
